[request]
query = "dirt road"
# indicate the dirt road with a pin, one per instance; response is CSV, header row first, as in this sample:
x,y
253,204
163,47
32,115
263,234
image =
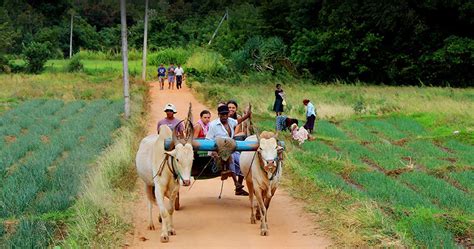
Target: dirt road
x,y
204,221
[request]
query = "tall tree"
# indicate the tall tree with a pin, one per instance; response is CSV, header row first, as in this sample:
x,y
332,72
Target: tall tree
x,y
126,92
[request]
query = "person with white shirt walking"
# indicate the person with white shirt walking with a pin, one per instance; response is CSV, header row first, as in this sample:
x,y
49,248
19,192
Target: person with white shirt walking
x,y
310,115
179,72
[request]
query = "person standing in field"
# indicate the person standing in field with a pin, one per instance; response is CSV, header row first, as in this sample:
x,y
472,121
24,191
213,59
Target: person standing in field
x,y
171,75
279,100
161,76
310,115
179,76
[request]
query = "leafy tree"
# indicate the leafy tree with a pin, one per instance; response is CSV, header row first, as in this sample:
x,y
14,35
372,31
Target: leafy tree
x,y
36,54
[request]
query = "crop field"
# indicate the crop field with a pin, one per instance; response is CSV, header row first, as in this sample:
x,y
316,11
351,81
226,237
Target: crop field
x,y
423,182
47,146
399,158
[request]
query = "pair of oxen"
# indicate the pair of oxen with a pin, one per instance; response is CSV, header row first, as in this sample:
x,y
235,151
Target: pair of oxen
x,y
162,172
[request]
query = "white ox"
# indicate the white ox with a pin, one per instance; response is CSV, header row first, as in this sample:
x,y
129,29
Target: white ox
x,y
161,171
262,171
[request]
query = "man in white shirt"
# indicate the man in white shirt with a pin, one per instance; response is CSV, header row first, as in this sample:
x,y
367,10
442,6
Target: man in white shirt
x,y
179,76
224,127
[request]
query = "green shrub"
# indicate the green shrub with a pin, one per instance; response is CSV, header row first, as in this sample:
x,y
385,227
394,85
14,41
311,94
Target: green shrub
x,y
36,54
169,55
207,62
360,106
4,67
260,54
91,55
75,65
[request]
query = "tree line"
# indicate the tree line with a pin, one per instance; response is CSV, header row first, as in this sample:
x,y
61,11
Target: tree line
x,y
403,42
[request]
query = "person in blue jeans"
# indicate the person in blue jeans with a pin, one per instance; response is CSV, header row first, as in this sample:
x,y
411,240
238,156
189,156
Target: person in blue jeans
x,y
161,76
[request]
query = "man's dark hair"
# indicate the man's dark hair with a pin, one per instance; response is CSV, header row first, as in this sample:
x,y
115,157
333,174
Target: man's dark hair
x,y
204,112
278,85
290,121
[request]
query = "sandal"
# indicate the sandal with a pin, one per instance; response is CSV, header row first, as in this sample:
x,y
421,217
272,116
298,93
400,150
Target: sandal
x,y
240,191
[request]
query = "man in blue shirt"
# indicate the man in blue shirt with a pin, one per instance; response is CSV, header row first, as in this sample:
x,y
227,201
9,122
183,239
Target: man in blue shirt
x,y
161,76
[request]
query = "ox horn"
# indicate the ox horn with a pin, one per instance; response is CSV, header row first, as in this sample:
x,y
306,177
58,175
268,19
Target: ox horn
x,y
175,138
190,127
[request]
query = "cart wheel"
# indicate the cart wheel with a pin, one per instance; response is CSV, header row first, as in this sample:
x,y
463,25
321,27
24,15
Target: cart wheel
x,y
176,202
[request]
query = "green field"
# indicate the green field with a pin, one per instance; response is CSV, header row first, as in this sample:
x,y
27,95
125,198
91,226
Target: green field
x,y
50,146
393,174
405,160
54,127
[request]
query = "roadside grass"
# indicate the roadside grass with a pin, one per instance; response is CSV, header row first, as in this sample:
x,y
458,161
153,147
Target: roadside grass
x,y
369,160
101,216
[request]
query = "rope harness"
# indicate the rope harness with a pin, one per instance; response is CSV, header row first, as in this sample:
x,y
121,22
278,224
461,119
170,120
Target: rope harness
x,y
277,161
170,161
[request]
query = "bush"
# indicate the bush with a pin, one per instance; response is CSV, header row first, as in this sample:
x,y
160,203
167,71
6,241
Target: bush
x,y
91,55
169,55
4,67
451,64
207,62
36,54
260,54
75,65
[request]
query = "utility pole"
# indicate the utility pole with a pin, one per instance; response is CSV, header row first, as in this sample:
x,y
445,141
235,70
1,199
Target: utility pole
x,y
126,92
226,15
70,37
145,38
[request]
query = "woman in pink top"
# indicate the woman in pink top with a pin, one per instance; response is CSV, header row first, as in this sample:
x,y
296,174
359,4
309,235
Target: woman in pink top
x,y
202,126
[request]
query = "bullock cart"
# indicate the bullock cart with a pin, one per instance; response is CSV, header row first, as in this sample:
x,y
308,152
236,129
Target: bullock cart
x,y
203,166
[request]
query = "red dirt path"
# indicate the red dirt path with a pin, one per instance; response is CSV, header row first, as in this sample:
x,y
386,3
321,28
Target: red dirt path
x,y
204,221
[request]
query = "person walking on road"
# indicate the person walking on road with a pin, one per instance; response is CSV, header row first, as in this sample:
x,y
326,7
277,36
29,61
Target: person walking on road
x,y
179,76
161,76
171,75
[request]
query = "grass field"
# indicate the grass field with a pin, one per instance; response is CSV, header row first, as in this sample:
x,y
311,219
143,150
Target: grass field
x,y
42,166
399,156
54,129
386,168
